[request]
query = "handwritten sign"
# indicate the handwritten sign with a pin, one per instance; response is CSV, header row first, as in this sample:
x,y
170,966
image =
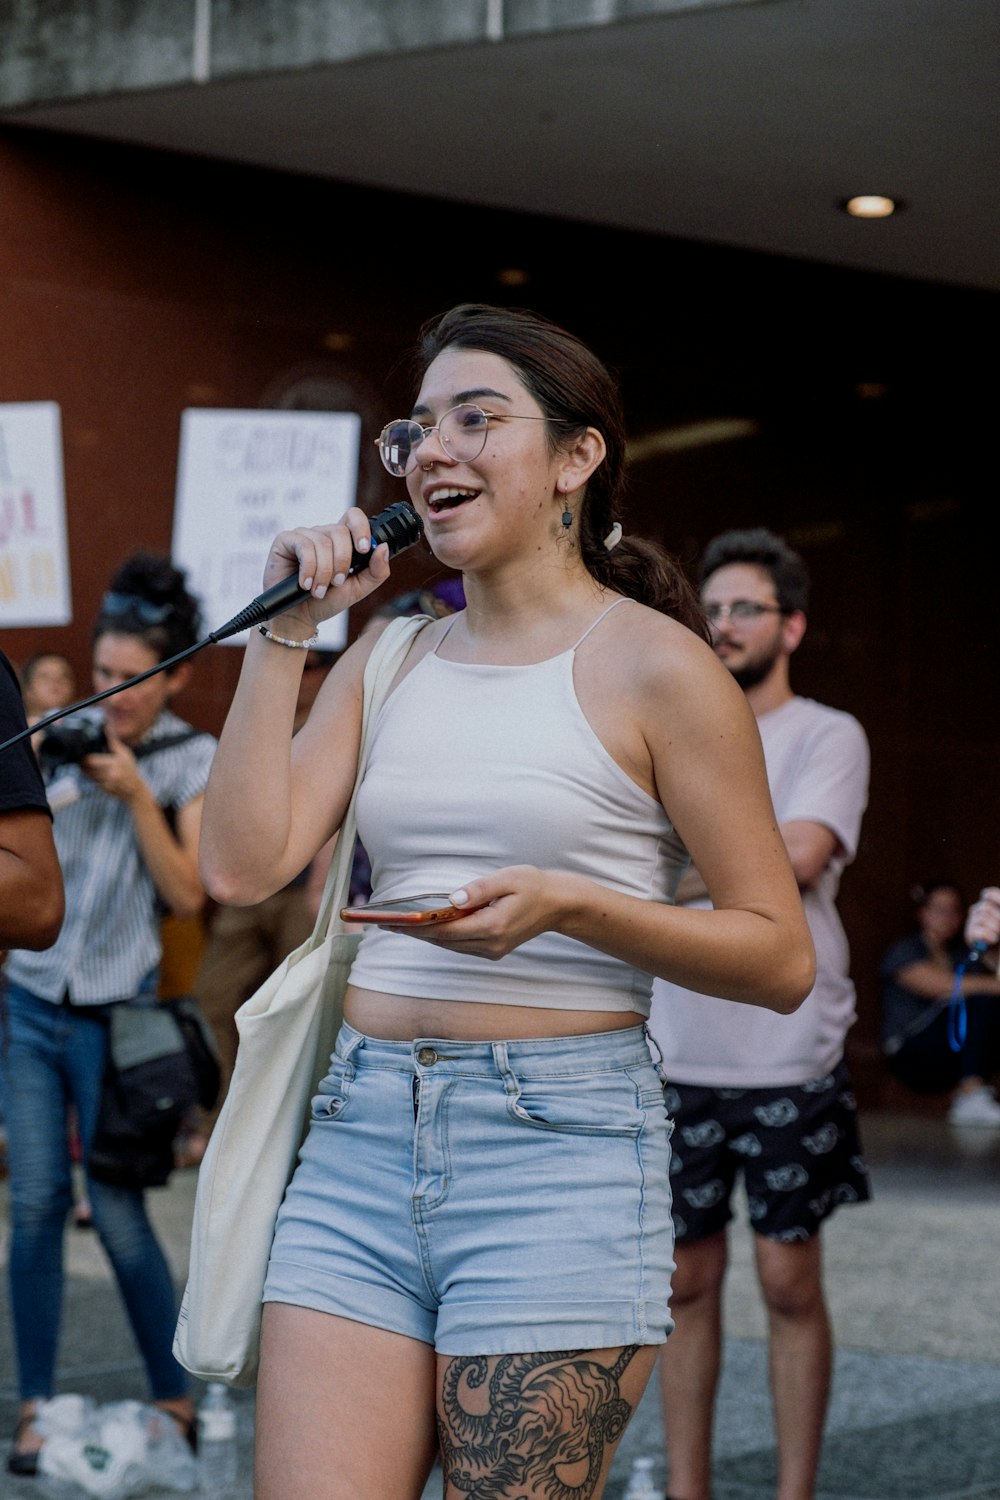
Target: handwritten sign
x,y
34,570
242,477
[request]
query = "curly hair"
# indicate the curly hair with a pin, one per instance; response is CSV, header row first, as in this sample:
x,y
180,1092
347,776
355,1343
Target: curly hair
x,y
148,598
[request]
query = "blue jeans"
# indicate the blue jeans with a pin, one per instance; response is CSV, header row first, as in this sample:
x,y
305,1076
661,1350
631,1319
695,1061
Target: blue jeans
x,y
485,1197
51,1056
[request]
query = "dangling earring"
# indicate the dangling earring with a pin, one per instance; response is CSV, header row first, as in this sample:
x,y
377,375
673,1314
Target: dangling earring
x,y
567,518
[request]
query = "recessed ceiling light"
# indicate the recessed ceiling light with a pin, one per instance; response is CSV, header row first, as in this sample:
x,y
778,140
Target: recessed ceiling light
x,y
513,276
870,206
871,390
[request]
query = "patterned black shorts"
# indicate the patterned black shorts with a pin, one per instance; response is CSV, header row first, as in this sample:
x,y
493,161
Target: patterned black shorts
x,y
798,1148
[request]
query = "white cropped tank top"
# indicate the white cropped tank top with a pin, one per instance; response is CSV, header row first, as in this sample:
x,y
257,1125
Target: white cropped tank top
x,y
472,768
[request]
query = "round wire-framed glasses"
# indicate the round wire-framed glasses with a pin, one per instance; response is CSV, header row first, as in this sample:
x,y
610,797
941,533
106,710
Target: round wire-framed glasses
x,y
744,611
462,430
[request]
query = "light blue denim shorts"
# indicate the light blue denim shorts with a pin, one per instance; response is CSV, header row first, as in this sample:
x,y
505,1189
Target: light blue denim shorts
x,y
485,1197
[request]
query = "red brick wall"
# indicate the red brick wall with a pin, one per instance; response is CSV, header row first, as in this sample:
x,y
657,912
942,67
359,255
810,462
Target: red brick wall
x,y
133,285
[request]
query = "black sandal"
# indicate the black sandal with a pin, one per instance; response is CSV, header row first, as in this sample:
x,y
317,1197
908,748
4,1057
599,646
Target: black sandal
x,y
23,1462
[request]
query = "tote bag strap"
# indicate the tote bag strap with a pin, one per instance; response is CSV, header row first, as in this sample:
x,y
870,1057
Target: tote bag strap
x,y
384,662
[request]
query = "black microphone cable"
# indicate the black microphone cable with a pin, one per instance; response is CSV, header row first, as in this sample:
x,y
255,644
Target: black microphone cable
x,y
398,525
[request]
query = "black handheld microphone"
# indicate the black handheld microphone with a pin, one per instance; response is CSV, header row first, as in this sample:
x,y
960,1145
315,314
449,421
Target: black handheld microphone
x,y
399,525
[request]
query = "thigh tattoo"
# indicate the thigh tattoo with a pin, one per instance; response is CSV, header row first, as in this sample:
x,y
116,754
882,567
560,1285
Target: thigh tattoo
x,y
508,1433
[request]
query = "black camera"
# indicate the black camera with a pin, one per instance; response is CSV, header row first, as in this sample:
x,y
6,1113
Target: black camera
x,y
69,740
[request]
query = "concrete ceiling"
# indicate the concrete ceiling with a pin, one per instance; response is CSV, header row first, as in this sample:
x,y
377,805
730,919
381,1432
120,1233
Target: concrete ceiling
x,y
744,125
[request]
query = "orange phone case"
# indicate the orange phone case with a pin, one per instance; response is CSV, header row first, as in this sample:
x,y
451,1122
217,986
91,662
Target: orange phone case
x,y
404,912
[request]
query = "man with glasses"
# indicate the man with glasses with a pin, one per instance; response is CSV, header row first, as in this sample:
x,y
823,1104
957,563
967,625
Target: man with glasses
x,y
751,1091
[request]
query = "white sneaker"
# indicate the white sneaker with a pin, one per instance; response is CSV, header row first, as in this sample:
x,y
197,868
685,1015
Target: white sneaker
x,y
977,1107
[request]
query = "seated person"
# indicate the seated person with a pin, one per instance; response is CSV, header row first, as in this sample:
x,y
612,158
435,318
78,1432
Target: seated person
x,y
920,1027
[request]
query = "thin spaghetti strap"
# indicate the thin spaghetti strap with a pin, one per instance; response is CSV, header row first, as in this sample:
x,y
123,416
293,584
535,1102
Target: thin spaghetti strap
x,y
613,605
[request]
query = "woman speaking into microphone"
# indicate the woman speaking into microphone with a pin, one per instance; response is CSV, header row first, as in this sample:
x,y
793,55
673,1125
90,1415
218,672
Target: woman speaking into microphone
x,y
473,1257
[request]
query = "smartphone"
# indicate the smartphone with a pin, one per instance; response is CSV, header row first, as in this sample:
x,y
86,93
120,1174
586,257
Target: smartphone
x,y
407,911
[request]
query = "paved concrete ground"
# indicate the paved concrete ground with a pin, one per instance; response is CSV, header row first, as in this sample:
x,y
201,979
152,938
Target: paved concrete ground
x,y
914,1288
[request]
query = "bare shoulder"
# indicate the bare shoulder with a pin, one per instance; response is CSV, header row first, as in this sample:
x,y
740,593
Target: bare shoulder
x,y
657,696
665,659
703,745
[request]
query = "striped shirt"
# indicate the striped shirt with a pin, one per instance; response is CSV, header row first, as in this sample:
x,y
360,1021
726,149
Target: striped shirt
x,y
110,939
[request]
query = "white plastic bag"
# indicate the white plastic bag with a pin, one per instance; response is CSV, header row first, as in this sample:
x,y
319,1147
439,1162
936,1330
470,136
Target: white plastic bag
x,y
113,1452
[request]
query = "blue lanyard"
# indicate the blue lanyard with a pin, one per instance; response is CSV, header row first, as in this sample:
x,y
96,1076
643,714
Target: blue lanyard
x,y
958,1019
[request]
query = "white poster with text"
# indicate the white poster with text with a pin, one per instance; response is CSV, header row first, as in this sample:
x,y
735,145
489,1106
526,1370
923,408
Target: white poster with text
x,y
34,565
242,477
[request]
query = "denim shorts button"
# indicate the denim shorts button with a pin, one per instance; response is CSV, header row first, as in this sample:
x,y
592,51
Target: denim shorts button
x,y
426,1056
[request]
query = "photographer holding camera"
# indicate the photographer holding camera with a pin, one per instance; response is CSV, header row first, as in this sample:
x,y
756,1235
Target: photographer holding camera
x,y
126,790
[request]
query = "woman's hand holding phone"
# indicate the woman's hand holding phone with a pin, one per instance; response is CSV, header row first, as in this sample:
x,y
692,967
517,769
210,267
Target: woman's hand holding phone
x,y
407,911
510,907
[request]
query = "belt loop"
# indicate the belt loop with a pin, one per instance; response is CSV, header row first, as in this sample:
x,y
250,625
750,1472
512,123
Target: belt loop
x,y
501,1061
659,1061
354,1043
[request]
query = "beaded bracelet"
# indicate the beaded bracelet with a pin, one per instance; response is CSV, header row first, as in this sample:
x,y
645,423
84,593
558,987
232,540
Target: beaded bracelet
x,y
282,640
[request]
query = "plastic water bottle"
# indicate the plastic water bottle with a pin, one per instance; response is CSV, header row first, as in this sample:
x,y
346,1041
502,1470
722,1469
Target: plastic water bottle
x,y
641,1484
217,1442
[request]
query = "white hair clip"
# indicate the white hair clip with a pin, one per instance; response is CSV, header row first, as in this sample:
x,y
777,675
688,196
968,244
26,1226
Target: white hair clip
x,y
613,537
